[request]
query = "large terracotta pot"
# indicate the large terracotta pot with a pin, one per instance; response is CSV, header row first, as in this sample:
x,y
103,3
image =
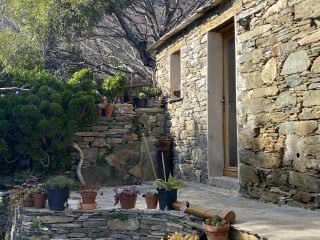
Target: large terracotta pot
x,y
39,200
127,202
152,200
88,197
216,233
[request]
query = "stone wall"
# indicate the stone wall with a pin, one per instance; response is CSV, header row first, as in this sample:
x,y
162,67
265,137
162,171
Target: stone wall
x,y
278,98
278,92
141,224
4,214
114,149
110,224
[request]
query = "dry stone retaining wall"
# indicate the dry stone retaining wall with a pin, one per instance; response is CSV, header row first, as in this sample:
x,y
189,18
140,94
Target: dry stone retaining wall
x,y
141,224
118,141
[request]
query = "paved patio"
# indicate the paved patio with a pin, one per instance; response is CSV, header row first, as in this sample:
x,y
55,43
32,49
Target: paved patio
x,y
268,220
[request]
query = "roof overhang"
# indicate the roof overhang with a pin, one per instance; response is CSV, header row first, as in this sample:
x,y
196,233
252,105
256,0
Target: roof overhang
x,y
184,24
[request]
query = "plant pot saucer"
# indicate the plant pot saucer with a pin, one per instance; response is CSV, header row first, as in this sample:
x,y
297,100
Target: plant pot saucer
x,y
88,206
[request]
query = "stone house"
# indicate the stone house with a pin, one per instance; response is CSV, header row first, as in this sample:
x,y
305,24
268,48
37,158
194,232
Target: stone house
x,y
244,85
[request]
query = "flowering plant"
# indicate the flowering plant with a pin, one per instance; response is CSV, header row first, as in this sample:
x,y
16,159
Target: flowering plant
x,y
125,191
21,193
90,187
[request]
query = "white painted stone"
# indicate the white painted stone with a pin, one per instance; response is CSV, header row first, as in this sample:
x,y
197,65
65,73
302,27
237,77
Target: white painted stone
x,y
269,71
296,62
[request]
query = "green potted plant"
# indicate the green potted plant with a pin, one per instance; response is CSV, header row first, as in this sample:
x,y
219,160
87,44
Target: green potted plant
x,y
140,100
58,189
216,228
88,194
153,96
127,196
168,191
114,87
39,196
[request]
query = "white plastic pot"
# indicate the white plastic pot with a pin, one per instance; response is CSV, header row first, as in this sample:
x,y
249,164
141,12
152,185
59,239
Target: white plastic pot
x,y
74,203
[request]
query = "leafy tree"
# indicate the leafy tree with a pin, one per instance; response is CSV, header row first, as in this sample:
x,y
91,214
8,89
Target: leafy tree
x,y
36,125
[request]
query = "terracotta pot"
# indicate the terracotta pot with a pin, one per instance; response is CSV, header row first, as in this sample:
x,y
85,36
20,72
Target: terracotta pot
x,y
164,145
127,202
88,197
99,112
28,203
152,200
39,200
88,206
109,110
216,233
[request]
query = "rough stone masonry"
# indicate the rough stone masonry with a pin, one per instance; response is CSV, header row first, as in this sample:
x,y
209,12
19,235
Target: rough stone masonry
x,y
278,96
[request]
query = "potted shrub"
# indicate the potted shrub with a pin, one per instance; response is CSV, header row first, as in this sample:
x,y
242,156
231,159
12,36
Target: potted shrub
x,y
21,195
152,199
39,196
168,191
140,100
58,189
127,196
88,194
114,87
153,96
216,228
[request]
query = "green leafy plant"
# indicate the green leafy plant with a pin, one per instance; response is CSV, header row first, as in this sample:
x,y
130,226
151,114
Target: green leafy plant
x,y
152,92
24,176
37,125
142,95
216,221
121,216
59,182
115,86
36,226
169,184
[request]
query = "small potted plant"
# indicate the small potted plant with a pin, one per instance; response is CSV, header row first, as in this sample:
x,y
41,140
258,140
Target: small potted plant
x,y
114,88
164,143
39,196
153,96
58,189
88,194
152,199
127,196
140,100
21,195
216,228
168,191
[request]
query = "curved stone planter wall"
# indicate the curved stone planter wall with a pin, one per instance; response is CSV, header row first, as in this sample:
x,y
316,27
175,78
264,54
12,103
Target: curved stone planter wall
x,y
105,224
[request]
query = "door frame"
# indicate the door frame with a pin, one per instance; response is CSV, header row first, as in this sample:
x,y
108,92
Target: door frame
x,y
227,33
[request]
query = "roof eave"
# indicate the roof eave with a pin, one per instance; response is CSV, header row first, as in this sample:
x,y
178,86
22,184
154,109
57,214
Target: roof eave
x,y
199,13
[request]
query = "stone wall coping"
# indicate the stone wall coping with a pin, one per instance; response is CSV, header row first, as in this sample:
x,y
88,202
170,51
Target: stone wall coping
x,y
149,110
